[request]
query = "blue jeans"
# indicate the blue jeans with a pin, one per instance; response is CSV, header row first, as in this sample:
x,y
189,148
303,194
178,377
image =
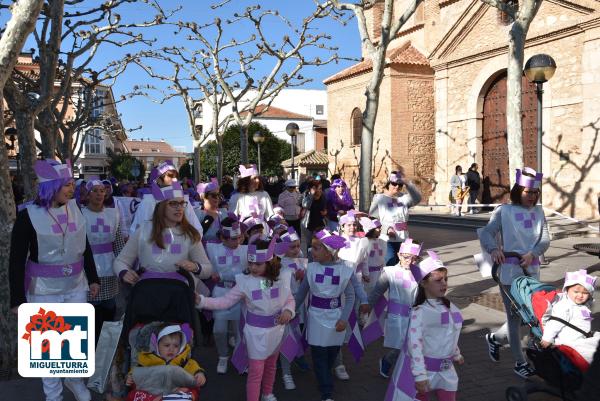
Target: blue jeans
x,y
323,361
391,255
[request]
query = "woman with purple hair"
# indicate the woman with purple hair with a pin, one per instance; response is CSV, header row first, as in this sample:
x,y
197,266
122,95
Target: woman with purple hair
x,y
51,260
339,201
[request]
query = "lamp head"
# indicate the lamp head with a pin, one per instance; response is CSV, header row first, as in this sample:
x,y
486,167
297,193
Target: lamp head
x,y
539,68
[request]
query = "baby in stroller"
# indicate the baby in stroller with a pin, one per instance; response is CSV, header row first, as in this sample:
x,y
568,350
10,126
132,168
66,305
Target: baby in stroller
x,y
164,366
568,320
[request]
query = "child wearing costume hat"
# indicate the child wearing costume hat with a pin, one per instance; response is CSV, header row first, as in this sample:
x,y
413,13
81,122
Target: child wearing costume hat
x,y
327,279
51,260
401,286
374,250
269,304
229,260
573,306
426,366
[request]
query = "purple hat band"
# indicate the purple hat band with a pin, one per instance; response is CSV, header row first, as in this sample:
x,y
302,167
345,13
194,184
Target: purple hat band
x,y
93,183
248,172
50,170
428,265
408,246
368,224
395,178
260,255
205,187
529,182
338,182
332,241
167,193
286,241
159,170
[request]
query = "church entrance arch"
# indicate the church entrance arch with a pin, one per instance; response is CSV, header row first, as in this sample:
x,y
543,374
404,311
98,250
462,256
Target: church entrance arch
x,y
494,170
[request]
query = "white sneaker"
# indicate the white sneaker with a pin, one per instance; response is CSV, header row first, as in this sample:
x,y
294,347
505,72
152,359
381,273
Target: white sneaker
x,y
222,365
340,372
78,388
288,382
268,397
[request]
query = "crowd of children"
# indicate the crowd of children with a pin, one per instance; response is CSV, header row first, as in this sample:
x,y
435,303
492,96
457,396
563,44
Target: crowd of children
x,y
361,278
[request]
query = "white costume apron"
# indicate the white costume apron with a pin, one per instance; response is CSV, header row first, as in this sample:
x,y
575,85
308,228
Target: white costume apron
x,y
262,300
101,229
522,236
228,263
375,249
257,204
327,284
392,212
355,252
401,296
61,240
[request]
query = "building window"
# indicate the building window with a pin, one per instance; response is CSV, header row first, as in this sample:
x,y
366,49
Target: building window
x,y
357,122
92,142
320,109
198,110
98,104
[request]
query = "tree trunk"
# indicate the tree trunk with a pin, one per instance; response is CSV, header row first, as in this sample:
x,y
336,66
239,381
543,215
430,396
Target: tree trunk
x,y
49,137
366,148
243,144
21,24
514,128
24,121
220,158
197,166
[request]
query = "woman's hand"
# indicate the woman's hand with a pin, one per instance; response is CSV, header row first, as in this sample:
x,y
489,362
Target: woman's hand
x,y
299,275
131,277
459,360
391,232
285,317
340,325
497,256
187,265
422,386
527,259
94,290
129,380
545,344
366,279
200,379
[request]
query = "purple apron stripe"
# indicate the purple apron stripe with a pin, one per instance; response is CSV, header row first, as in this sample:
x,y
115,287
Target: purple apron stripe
x,y
98,249
325,303
371,333
437,364
396,308
355,349
149,274
516,261
406,380
33,269
289,347
374,268
261,321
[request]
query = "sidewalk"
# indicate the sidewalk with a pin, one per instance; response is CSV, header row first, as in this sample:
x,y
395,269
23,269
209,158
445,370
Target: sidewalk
x,y
480,378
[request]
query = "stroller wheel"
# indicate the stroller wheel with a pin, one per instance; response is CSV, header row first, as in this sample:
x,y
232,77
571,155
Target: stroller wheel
x,y
516,394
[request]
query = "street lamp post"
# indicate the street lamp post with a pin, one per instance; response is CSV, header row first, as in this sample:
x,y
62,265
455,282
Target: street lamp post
x,y
192,168
292,130
539,69
258,138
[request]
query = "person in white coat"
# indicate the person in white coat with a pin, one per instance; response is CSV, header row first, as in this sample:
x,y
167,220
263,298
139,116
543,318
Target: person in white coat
x,y
251,199
50,259
102,229
269,306
162,175
523,228
426,365
327,279
391,208
572,306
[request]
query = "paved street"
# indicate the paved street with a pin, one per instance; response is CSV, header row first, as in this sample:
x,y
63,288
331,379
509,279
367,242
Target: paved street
x,y
480,379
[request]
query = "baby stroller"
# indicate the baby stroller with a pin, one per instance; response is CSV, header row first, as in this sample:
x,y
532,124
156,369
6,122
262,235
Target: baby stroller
x,y
151,302
561,368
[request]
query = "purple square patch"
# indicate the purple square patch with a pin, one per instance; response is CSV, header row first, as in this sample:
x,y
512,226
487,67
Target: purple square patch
x,y
257,295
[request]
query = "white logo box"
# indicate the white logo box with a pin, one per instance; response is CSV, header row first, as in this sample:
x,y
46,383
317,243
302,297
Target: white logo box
x,y
74,358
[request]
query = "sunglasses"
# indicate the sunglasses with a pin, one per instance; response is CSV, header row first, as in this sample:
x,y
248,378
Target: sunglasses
x,y
177,204
395,184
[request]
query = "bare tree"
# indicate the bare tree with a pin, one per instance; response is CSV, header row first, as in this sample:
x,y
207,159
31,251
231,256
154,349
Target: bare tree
x,y
288,57
375,48
18,28
522,13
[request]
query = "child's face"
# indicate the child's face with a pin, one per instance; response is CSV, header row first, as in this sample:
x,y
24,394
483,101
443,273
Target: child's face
x,y
406,259
257,269
168,347
578,294
294,250
436,284
256,230
349,229
231,243
319,252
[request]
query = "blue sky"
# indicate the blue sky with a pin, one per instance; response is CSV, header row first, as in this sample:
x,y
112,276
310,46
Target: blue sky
x,y
168,120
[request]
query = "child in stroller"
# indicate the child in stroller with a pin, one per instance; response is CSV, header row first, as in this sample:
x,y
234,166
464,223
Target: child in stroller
x,y
164,364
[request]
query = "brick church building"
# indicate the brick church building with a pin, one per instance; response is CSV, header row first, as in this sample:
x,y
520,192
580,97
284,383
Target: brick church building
x,y
443,102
